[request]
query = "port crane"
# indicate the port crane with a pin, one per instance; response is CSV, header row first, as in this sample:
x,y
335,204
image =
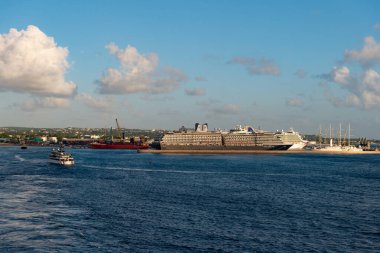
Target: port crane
x,y
118,128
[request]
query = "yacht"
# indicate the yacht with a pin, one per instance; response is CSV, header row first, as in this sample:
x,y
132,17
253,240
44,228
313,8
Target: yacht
x,y
60,157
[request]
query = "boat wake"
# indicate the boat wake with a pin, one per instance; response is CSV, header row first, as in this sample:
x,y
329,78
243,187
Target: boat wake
x,y
33,161
19,158
167,171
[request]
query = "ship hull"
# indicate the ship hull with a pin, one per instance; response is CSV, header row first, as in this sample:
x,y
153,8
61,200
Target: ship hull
x,y
117,146
226,148
62,162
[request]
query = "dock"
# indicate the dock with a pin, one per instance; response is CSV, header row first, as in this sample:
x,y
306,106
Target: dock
x,y
255,152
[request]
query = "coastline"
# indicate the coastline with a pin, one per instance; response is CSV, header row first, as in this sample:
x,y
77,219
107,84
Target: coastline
x,y
255,152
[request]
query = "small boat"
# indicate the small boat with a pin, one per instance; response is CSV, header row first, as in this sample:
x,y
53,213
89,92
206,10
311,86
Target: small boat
x,y
60,157
24,146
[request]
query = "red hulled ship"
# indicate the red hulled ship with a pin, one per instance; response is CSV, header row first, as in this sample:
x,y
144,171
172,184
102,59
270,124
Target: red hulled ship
x,y
118,146
120,143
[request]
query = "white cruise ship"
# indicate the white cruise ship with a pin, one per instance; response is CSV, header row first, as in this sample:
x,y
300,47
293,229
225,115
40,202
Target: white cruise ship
x,y
294,138
239,138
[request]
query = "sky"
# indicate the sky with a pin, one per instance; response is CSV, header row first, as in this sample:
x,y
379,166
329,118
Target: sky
x,y
163,64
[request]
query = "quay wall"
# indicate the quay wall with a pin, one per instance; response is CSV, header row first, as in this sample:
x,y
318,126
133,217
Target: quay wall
x,y
253,152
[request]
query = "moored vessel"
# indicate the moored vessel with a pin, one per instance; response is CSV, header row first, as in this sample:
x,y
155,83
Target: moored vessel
x,y
239,138
117,145
292,137
120,142
340,147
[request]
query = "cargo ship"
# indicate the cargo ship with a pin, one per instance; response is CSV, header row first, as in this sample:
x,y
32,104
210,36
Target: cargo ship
x,y
239,138
120,143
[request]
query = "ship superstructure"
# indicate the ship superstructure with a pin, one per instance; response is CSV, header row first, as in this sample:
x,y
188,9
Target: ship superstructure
x,y
201,138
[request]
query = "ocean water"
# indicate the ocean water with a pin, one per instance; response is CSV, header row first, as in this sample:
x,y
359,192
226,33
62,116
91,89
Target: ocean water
x,y
122,201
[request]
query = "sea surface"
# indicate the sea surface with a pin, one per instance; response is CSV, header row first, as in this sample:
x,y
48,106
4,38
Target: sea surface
x,y
122,201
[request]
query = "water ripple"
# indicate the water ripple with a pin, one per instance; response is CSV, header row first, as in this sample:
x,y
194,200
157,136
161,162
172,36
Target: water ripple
x,y
126,202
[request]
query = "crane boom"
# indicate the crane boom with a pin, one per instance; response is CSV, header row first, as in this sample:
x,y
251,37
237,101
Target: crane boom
x,y
118,128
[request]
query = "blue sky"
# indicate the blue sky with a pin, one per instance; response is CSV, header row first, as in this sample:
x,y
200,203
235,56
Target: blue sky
x,y
164,64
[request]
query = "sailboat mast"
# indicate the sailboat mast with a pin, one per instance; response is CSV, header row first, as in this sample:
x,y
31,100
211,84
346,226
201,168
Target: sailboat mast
x,y
340,134
330,131
349,134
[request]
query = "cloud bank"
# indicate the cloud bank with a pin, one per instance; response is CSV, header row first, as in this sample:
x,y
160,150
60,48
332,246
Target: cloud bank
x,y
138,73
31,62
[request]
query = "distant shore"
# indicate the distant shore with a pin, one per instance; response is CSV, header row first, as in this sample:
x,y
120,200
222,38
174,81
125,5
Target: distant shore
x,y
256,152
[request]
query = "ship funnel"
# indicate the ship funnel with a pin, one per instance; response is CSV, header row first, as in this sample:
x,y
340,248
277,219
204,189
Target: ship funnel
x,y
198,127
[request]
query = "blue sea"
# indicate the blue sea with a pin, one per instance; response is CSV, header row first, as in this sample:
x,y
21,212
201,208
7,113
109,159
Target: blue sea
x,y
123,201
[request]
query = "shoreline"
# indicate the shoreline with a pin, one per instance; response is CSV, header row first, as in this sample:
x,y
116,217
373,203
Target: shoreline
x,y
255,152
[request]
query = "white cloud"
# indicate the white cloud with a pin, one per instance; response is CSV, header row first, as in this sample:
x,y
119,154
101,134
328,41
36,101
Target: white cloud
x,y
195,92
45,102
295,102
138,73
257,67
31,62
341,75
104,104
369,54
363,91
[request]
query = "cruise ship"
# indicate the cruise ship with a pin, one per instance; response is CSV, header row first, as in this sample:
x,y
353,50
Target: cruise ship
x,y
292,137
239,138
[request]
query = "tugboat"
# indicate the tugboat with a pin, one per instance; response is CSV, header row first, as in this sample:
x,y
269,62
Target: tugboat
x,y
23,145
60,157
